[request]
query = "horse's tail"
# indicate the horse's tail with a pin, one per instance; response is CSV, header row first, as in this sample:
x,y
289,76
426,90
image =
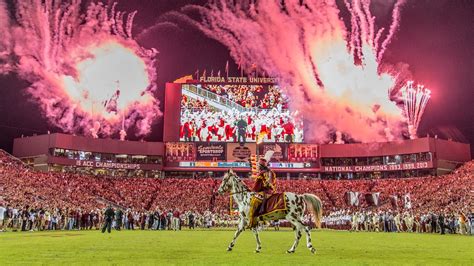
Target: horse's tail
x,y
315,206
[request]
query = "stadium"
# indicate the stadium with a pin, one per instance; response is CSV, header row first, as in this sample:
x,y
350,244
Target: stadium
x,y
315,159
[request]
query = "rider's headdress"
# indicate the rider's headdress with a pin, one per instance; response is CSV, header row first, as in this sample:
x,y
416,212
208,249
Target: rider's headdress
x,y
268,156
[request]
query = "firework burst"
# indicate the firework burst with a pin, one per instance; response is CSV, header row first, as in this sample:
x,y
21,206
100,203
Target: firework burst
x,y
333,75
415,101
87,73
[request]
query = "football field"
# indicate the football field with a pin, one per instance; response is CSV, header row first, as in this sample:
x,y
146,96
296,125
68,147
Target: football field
x,y
208,247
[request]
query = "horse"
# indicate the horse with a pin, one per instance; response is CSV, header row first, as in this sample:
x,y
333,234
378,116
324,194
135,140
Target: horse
x,y
295,208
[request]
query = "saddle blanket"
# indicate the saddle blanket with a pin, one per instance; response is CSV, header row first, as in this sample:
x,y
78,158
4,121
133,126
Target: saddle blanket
x,y
273,208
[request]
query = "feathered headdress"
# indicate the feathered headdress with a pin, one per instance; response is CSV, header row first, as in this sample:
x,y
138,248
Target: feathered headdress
x,y
268,155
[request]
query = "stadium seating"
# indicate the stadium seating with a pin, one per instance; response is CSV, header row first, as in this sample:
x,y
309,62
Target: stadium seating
x,y
20,186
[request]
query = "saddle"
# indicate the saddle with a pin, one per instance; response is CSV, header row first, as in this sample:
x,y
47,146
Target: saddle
x,y
273,207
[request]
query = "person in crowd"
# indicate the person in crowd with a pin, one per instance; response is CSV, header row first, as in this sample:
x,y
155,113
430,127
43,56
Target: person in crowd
x,y
109,215
191,220
241,130
3,214
176,220
118,219
441,224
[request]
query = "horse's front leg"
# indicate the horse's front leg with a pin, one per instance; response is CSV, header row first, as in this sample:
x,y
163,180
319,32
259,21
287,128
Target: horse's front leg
x,y
240,228
257,238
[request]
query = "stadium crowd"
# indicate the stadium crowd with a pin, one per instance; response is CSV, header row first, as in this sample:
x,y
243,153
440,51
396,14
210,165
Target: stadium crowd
x,y
31,200
251,96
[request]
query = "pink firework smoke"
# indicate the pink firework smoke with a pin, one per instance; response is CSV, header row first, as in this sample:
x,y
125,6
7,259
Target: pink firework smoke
x,y
332,75
87,72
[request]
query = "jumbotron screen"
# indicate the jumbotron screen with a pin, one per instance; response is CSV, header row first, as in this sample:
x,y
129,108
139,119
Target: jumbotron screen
x,y
237,113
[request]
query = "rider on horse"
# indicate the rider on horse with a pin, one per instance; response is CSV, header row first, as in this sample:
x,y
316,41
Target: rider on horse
x,y
265,184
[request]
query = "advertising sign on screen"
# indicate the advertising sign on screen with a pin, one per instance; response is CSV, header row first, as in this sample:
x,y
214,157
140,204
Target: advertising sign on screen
x,y
210,151
240,152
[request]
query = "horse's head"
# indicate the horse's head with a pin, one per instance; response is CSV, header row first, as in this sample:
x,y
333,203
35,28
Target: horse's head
x,y
227,180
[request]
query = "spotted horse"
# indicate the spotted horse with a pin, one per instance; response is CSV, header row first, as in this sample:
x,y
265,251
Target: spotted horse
x,y
295,208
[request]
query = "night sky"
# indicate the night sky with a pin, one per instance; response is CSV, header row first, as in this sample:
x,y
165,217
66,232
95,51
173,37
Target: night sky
x,y
436,39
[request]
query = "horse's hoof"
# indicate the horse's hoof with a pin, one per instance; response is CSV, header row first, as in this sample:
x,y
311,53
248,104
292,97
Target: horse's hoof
x,y
290,251
313,250
229,249
257,251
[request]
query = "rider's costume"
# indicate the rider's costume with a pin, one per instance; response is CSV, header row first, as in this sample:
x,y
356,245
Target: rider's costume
x,y
265,184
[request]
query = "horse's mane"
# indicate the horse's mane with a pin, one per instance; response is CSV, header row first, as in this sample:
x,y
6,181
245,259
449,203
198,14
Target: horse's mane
x,y
238,180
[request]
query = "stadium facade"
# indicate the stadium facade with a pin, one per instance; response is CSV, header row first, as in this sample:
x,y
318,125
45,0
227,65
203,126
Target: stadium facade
x,y
212,125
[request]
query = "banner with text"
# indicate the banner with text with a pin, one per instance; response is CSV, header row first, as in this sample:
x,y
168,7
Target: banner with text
x,y
210,151
125,166
376,168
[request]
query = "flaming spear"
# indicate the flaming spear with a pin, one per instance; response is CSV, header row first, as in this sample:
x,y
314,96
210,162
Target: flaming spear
x,y
415,100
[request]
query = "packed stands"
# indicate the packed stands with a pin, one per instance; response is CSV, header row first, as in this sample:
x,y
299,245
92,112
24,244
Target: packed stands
x,y
25,189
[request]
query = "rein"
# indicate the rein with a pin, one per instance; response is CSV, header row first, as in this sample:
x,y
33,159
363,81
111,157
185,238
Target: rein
x,y
239,192
243,186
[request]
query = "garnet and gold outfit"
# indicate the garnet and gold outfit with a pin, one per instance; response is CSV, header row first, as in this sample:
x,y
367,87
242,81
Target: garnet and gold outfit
x,y
264,185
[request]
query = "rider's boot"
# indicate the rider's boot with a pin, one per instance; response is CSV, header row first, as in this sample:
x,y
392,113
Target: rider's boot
x,y
253,204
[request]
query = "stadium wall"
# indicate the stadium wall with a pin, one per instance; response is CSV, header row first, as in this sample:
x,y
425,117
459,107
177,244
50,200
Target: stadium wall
x,y
37,145
375,149
172,112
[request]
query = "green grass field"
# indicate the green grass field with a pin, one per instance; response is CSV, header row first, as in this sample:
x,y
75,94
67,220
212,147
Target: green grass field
x,y
204,247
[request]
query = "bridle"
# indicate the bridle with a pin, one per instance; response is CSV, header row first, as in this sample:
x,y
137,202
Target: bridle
x,y
238,192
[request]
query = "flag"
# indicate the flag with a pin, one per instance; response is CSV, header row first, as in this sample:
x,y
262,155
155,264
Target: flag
x,y
407,201
183,79
204,73
241,68
376,197
352,198
212,72
394,201
372,198
219,73
227,68
355,198
197,74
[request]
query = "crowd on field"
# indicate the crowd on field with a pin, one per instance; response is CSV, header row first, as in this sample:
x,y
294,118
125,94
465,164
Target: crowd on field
x,y
31,200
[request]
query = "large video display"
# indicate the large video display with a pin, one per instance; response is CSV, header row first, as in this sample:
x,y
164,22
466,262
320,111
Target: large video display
x,y
237,113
